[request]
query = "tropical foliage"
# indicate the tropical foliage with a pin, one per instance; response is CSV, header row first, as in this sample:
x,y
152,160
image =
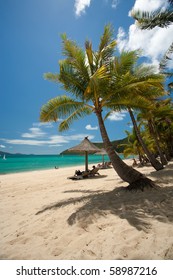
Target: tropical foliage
x,y
160,18
149,20
97,81
156,128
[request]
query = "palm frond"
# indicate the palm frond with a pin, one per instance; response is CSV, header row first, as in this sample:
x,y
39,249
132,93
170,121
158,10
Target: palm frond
x,y
89,53
51,77
147,20
74,56
72,81
92,90
106,38
165,60
106,47
58,108
79,113
125,62
170,2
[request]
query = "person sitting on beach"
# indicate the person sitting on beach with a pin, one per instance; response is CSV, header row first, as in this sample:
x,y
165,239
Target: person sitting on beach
x,y
134,162
78,172
94,171
82,174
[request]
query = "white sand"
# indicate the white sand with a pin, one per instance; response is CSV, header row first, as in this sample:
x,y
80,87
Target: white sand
x,y
85,219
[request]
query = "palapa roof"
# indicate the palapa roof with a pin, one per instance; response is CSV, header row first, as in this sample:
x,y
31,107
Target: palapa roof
x,y
85,146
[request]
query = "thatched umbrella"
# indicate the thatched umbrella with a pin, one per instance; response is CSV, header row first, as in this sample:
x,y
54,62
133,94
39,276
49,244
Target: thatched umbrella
x,y
85,147
103,153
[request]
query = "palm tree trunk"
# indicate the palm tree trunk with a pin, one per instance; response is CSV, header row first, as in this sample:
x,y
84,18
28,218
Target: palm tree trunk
x,y
155,136
154,162
140,156
170,138
125,172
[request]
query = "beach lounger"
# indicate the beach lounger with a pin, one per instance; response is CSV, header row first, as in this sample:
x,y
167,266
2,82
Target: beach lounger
x,y
85,174
94,171
76,177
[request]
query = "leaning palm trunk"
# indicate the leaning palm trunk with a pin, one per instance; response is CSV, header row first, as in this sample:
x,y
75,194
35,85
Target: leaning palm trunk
x,y
154,162
140,156
170,139
135,179
155,136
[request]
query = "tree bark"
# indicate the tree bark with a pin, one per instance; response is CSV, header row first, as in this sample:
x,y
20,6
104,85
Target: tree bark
x,y
125,172
155,136
154,162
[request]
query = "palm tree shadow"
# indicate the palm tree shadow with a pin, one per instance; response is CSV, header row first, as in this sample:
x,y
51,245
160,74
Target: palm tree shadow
x,y
164,175
138,208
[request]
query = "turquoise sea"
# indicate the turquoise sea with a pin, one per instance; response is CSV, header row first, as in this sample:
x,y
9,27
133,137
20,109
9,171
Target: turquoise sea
x,y
21,163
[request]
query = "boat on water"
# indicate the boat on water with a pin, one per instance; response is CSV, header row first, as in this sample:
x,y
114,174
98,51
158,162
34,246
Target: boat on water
x,y
4,157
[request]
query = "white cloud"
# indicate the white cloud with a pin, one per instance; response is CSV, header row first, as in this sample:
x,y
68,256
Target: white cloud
x,y
89,127
80,6
54,140
149,5
2,146
34,133
153,43
46,125
117,116
29,142
115,3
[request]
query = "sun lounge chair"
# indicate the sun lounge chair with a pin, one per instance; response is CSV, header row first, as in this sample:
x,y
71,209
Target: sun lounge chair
x,y
82,175
85,174
94,171
76,177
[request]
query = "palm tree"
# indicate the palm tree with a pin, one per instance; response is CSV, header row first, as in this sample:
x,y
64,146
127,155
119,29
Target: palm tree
x,y
87,77
147,115
163,118
160,18
132,147
147,20
155,163
164,63
125,69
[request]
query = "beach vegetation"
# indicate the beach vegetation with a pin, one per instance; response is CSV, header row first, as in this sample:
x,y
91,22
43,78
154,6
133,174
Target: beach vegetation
x,y
98,82
156,129
160,18
141,97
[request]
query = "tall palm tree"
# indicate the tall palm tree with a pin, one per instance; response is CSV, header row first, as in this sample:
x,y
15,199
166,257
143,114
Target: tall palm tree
x,y
155,163
132,147
147,115
126,69
87,77
163,118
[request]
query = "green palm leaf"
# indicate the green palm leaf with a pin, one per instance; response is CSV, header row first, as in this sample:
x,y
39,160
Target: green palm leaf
x,y
60,107
79,113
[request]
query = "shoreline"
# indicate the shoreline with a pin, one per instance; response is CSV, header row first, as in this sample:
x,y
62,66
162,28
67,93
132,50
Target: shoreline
x,y
41,166
76,166
80,165
44,215
12,167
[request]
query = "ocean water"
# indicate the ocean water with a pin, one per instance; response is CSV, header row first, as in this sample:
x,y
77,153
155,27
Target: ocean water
x,y
22,163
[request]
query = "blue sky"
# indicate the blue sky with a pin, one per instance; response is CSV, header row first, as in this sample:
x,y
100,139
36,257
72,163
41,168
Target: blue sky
x,y
31,46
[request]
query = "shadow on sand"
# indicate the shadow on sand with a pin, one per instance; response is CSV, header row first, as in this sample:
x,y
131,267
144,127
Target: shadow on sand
x,y
138,208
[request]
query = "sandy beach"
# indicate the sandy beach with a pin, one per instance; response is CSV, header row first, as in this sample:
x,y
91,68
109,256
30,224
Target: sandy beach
x,y
44,215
